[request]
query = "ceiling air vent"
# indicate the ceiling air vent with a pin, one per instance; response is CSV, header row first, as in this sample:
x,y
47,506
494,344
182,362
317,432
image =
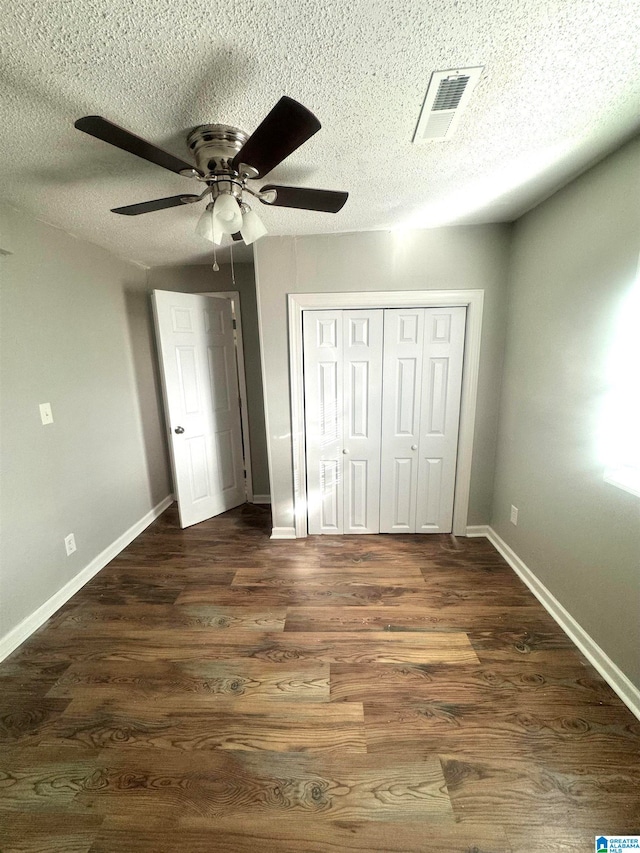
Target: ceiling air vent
x,y
447,96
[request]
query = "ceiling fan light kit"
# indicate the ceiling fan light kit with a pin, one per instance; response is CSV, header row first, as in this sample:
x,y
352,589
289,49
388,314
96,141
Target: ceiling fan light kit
x,y
226,212
252,227
226,159
206,227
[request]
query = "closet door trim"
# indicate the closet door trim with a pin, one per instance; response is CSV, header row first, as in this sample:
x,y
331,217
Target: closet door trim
x,y
471,299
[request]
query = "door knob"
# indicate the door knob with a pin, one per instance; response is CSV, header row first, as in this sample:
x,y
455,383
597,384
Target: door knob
x,y
345,450
414,446
179,430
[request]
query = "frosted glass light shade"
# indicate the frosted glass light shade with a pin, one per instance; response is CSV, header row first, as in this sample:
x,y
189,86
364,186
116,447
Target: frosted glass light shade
x,y
227,214
208,226
252,227
224,216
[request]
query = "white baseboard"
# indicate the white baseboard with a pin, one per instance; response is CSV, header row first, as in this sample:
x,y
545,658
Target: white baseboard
x,y
475,530
283,533
261,499
21,632
612,674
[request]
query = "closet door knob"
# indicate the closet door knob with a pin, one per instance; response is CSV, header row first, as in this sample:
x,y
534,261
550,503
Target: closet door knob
x,y
345,451
414,446
179,430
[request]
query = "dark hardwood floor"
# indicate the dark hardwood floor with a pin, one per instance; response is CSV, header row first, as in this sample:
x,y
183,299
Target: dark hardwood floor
x,y
212,689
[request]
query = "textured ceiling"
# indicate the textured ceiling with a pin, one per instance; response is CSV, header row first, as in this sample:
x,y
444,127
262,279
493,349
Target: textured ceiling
x,y
560,88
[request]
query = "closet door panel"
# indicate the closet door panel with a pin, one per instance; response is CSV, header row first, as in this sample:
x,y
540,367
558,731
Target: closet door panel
x,y
382,398
402,381
444,331
323,375
362,389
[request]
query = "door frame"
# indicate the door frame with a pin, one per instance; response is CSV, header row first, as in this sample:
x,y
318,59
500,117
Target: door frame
x,y
234,296
472,300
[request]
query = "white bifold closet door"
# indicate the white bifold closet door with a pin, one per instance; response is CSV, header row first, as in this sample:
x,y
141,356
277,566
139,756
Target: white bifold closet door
x,y
423,353
343,410
382,408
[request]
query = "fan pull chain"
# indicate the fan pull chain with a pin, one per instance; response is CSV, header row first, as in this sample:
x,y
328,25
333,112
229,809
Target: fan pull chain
x,y
233,275
216,268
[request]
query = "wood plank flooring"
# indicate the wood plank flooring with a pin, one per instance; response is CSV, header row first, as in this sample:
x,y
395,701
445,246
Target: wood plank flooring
x,y
212,689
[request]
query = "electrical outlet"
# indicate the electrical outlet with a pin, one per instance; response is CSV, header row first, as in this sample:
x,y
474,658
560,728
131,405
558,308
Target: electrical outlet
x,y
46,415
514,515
70,544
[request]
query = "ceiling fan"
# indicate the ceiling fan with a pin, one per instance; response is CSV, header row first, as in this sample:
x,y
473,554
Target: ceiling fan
x,y
226,160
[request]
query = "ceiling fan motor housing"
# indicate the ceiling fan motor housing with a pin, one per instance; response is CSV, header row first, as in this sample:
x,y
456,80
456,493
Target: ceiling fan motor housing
x,y
215,145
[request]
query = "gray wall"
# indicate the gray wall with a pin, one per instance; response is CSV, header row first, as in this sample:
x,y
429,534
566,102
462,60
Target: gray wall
x,y
200,279
573,259
73,334
439,259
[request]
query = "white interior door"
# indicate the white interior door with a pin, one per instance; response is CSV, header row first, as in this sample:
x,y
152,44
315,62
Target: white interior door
x,y
343,373
403,357
322,334
423,355
361,427
444,330
200,386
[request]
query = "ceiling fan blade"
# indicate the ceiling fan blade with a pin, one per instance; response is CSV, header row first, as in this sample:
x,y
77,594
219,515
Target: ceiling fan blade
x,y
327,201
121,138
287,126
157,204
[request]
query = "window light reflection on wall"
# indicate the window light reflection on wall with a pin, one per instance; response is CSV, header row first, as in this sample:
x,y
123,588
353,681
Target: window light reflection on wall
x,y
620,427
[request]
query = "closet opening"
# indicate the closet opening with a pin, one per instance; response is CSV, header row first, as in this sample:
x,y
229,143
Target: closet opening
x,y
387,361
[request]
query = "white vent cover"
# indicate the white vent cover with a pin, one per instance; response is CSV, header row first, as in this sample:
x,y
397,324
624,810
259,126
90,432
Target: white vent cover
x,y
447,96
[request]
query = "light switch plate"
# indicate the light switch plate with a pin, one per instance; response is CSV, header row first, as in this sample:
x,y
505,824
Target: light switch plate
x,y
46,415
